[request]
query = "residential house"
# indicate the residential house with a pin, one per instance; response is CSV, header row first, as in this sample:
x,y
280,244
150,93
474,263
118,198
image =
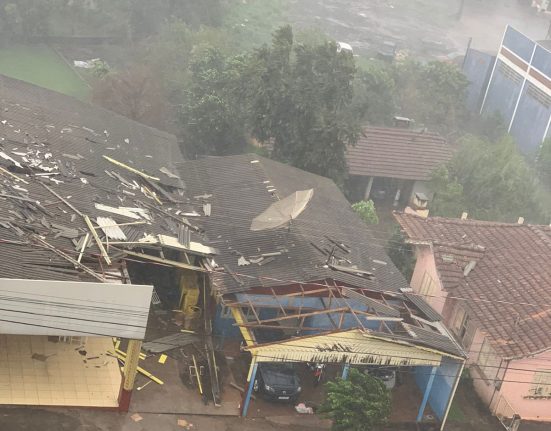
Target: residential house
x,y
393,165
86,197
319,288
516,84
492,284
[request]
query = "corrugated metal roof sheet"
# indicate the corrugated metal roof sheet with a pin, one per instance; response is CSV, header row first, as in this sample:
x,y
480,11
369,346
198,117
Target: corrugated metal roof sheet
x,y
238,193
355,346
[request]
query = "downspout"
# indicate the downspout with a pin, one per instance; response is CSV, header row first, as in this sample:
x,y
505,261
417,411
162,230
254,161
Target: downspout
x,y
452,395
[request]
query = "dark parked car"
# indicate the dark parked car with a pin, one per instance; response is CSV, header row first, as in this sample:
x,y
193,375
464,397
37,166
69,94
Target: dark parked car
x,y
277,382
384,373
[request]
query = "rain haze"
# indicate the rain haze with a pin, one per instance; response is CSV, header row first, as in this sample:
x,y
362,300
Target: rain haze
x,y
275,214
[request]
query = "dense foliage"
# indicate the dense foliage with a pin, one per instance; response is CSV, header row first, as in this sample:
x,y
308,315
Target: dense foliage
x,y
366,210
490,180
360,403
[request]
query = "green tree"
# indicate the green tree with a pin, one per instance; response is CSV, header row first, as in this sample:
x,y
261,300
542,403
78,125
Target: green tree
x,y
496,181
373,100
448,197
433,94
366,210
213,118
543,163
299,103
360,403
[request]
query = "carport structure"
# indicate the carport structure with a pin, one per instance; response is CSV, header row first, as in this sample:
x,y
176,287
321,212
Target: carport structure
x,y
352,327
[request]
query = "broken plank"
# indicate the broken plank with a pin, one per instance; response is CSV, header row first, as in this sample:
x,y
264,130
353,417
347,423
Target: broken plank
x,y
165,261
129,168
67,257
66,202
98,241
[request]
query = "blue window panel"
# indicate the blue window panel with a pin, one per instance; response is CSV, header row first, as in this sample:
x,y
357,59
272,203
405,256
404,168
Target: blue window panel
x,y
518,43
503,92
531,119
542,60
477,67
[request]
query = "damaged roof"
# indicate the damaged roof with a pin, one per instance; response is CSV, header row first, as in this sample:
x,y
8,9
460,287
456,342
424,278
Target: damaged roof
x,y
327,241
397,153
502,270
62,162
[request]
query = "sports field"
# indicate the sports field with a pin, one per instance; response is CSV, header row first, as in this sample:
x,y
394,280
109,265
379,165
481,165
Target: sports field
x,y
41,65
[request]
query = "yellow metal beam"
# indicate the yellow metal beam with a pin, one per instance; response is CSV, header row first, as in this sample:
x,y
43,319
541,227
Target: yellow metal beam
x,y
131,364
240,320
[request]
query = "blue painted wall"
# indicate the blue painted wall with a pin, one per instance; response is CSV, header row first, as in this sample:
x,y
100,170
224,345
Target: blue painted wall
x,y
503,92
518,43
542,60
224,326
442,386
531,120
477,67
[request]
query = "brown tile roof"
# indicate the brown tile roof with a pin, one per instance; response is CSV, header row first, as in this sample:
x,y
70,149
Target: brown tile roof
x,y
397,153
509,289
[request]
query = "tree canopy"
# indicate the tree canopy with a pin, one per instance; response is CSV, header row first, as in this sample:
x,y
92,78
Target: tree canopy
x,y
490,180
360,403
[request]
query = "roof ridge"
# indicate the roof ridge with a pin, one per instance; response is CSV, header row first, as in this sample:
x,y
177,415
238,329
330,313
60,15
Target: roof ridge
x,y
472,222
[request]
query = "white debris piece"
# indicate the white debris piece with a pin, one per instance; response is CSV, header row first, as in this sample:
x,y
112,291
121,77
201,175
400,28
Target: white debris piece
x,y
6,157
126,140
242,261
168,173
84,181
207,208
110,228
134,213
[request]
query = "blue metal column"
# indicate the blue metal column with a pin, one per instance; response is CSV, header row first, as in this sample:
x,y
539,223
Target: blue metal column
x,y
250,383
426,395
345,371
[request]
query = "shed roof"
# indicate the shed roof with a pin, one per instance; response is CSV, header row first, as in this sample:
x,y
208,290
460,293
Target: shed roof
x,y
397,153
502,271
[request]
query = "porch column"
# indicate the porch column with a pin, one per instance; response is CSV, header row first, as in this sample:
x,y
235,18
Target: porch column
x,y
130,370
368,189
426,395
250,383
345,371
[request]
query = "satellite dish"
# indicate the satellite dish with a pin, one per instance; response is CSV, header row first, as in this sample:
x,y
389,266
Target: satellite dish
x,y
283,211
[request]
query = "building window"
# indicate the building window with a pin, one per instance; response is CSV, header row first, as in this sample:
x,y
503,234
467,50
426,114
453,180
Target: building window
x,y
488,361
463,326
541,384
428,287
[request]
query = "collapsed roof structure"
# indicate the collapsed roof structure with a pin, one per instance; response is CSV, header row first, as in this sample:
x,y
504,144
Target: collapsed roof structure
x,y
81,187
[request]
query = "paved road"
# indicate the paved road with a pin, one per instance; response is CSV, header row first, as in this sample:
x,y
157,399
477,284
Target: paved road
x,y
33,419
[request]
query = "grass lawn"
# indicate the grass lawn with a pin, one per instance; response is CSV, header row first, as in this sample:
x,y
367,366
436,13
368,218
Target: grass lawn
x,y
41,65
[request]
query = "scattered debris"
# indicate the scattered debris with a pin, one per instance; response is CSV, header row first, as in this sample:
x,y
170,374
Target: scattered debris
x,y
169,342
136,417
